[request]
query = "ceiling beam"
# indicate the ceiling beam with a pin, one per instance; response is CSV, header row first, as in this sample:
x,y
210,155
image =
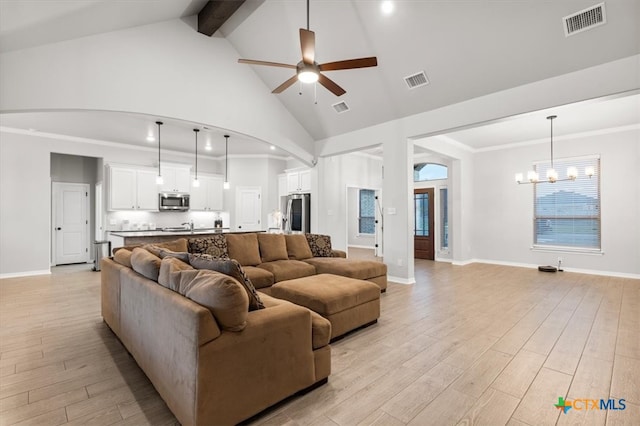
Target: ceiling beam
x,y
215,13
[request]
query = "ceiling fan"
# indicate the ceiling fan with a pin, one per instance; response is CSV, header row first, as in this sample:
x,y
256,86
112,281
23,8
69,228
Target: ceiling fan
x,y
308,70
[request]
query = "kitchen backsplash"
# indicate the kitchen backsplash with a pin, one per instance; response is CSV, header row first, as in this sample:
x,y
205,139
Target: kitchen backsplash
x,y
142,220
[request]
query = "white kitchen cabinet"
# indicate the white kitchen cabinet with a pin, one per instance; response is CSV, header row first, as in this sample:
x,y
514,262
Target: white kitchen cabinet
x,y
175,178
208,196
132,189
299,181
282,185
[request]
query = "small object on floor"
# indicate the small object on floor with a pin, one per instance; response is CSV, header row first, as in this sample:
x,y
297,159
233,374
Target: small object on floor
x,y
547,268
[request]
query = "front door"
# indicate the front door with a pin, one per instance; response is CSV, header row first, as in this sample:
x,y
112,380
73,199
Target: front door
x,y
423,240
248,208
71,222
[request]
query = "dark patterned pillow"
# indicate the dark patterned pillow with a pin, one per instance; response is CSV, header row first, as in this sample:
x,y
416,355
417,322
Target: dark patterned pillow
x,y
229,267
320,245
214,245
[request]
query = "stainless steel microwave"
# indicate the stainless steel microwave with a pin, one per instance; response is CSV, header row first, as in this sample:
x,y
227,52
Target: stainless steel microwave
x,y
173,202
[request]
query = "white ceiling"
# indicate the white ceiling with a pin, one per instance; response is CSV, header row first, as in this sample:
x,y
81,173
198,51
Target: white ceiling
x,y
468,48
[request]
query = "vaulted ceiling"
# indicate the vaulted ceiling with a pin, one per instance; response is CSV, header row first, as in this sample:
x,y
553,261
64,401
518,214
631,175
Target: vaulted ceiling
x,y
467,48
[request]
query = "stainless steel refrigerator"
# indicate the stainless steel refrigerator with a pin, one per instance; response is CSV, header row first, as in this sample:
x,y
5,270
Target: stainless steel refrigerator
x,y
298,213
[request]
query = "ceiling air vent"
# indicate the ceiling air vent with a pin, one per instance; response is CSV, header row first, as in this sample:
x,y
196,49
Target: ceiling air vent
x,y
341,107
416,80
584,20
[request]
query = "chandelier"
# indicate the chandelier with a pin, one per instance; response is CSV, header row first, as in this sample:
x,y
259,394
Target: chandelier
x,y
552,173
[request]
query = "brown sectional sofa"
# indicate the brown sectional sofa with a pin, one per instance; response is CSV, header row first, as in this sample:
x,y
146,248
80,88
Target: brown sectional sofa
x,y
271,258
183,339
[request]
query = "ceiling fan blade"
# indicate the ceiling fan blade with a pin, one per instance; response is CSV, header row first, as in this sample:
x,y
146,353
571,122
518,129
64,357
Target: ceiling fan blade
x,y
308,46
269,64
331,85
285,85
349,64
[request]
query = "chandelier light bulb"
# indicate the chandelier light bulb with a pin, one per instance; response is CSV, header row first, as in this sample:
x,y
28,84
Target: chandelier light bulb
x,y
572,172
532,176
226,185
159,180
552,175
519,177
589,171
196,183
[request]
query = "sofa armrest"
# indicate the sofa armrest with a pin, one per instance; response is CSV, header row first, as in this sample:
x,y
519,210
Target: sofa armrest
x,y
240,374
338,253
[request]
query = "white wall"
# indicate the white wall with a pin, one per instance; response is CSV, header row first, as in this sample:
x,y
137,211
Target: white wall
x,y
503,210
166,69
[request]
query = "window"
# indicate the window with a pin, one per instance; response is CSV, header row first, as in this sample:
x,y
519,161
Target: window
x,y
444,219
567,213
429,171
366,214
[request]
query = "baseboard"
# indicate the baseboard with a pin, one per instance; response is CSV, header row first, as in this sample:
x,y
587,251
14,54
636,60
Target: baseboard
x,y
25,274
361,247
576,270
399,280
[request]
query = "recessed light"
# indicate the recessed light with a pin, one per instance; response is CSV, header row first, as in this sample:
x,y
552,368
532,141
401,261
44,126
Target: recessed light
x,y
272,148
150,138
208,147
387,7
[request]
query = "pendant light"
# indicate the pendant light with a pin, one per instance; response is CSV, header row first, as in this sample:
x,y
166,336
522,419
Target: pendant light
x,y
196,182
159,179
226,162
552,174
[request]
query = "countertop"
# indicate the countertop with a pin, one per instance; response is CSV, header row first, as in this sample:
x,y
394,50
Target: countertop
x,y
161,233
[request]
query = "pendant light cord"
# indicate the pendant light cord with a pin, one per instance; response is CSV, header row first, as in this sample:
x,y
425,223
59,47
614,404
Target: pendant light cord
x,y
226,158
551,117
159,123
196,132
307,15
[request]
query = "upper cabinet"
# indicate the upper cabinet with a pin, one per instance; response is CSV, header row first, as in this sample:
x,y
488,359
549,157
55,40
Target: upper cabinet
x,y
132,189
299,181
176,178
207,196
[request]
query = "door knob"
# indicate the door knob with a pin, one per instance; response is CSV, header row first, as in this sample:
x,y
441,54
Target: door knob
x,y
58,229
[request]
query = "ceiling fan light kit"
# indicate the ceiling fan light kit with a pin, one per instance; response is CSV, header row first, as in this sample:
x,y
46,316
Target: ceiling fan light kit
x,y
308,70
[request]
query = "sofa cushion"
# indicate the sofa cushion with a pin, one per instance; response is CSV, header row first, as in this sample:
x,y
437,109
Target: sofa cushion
x,y
123,257
244,248
297,247
288,269
222,295
352,268
320,326
169,267
182,255
229,267
272,247
179,245
145,263
320,245
214,245
260,278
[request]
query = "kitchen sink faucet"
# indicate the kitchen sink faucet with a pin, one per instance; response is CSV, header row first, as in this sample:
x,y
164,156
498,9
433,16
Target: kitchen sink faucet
x,y
190,225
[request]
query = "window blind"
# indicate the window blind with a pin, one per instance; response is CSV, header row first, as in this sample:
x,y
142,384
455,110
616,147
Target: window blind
x,y
567,213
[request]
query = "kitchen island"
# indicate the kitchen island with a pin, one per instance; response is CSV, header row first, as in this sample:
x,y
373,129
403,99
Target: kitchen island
x,y
128,238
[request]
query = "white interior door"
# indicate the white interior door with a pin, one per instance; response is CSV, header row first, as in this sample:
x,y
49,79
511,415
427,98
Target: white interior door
x,y
248,208
70,222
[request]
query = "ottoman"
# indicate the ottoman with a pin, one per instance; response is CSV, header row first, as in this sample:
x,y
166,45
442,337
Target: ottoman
x,y
347,303
369,270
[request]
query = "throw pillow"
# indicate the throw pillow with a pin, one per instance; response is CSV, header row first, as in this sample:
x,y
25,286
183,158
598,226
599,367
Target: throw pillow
x,y
123,257
145,263
320,245
214,245
272,247
179,245
183,256
244,248
221,294
297,247
169,266
229,267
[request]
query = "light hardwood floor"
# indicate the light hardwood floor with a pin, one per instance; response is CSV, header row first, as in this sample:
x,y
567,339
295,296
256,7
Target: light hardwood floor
x,y
475,344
